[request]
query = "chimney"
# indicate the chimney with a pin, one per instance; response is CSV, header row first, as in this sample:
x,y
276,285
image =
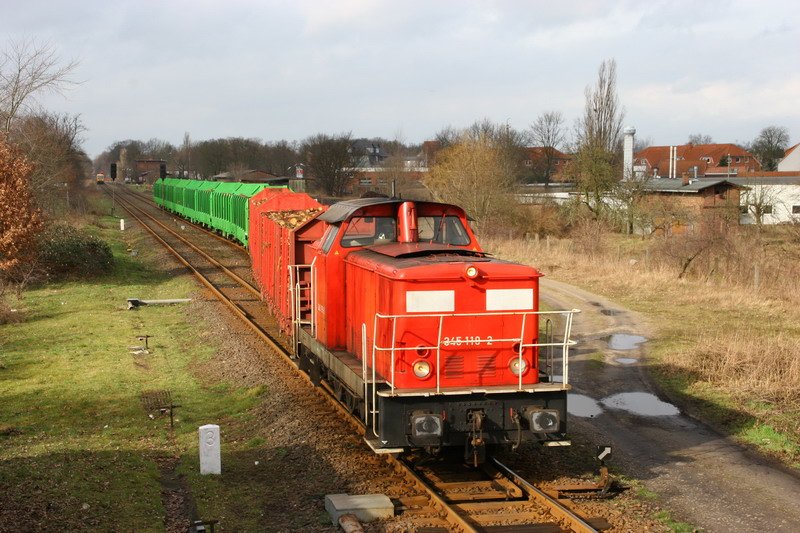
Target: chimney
x,y
627,153
670,162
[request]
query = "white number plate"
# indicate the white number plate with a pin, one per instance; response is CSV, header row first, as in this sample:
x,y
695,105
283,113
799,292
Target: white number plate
x,y
468,340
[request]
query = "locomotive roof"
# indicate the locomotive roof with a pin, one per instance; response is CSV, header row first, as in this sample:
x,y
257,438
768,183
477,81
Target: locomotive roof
x,y
343,210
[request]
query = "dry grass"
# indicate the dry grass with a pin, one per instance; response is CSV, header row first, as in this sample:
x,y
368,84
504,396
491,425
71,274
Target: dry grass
x,y
761,368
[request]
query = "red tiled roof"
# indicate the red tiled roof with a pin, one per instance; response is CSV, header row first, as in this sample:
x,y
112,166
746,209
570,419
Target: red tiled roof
x,y
536,152
769,174
789,150
683,165
693,152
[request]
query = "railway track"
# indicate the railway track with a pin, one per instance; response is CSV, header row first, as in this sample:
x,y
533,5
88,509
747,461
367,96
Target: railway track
x,y
439,494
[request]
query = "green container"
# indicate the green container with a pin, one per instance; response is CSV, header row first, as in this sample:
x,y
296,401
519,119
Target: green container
x,y
222,206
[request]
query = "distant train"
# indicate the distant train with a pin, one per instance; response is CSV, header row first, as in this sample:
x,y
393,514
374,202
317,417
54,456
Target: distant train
x,y
101,178
393,305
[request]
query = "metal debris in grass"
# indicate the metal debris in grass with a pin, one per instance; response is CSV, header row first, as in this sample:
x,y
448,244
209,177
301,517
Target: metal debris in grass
x,y
135,303
160,402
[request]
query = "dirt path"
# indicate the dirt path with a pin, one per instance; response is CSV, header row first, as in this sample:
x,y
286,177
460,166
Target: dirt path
x,y
704,478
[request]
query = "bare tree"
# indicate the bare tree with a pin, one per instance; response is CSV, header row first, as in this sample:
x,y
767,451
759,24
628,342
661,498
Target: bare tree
x,y
472,173
770,146
596,166
628,195
762,199
640,144
28,68
548,132
330,161
699,138
52,142
395,170
447,136
601,124
183,156
281,156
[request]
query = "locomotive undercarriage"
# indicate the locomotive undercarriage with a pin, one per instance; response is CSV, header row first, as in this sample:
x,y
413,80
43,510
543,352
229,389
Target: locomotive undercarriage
x,y
470,420
473,420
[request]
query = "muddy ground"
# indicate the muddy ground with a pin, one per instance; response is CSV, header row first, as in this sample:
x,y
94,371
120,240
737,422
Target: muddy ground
x,y
704,478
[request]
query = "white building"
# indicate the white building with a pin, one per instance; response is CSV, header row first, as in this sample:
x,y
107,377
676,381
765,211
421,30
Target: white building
x,y
775,199
791,160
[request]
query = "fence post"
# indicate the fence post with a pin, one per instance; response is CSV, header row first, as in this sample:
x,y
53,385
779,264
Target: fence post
x,y
756,276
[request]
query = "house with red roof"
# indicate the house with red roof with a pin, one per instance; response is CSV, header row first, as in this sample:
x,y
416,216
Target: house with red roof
x,y
696,161
544,164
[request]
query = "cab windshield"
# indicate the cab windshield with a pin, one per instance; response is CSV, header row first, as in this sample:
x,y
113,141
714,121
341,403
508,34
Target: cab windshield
x,y
446,229
367,231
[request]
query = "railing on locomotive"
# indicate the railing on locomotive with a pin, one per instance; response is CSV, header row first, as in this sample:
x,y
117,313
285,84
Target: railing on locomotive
x,y
564,344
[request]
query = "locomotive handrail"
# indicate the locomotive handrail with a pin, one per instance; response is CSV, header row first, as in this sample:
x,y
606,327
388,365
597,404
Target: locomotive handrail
x,y
296,290
565,344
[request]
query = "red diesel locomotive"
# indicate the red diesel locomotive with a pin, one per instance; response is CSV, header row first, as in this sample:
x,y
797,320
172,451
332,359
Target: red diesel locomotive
x,y
395,307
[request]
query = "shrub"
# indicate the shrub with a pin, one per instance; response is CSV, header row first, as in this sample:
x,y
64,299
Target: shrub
x,y
65,251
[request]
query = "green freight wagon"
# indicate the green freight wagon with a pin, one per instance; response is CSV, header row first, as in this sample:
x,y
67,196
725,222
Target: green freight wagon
x,y
223,206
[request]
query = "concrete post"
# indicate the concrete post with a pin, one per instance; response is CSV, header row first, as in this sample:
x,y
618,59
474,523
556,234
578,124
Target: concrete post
x,y
122,224
210,459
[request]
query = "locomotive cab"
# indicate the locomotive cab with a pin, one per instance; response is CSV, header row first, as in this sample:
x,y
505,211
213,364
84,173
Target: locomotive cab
x,y
447,337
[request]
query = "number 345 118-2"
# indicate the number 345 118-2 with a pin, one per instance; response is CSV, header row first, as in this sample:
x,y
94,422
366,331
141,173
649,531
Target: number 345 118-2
x,y
467,340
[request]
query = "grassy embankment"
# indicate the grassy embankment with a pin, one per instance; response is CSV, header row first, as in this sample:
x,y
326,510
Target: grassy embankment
x,y
727,352
77,449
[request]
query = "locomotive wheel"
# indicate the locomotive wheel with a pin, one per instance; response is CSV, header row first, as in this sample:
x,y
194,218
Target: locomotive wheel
x,y
338,390
350,402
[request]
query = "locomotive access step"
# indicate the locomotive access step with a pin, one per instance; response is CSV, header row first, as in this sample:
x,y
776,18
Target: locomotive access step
x,y
375,445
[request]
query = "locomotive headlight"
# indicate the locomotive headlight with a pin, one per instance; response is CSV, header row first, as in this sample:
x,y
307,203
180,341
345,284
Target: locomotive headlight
x,y
471,272
544,420
517,366
422,369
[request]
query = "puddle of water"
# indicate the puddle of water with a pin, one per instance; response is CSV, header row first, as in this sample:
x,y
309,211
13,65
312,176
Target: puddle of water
x,y
626,360
640,403
583,406
625,341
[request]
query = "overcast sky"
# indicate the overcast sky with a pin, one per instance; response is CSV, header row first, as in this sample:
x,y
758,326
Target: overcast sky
x,y
401,68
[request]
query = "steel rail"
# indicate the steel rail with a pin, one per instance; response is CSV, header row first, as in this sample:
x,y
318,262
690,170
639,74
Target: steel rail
x,y
456,520
273,343
453,517
578,524
234,276
149,201
204,280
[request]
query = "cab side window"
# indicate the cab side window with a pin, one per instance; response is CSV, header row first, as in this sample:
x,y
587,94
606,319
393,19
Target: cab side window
x,y
330,238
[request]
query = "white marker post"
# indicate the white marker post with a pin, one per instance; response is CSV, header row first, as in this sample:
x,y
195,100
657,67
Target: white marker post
x,y
210,460
122,224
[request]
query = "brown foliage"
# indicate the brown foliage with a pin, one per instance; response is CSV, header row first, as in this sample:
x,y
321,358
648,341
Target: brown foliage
x,y
20,220
476,174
